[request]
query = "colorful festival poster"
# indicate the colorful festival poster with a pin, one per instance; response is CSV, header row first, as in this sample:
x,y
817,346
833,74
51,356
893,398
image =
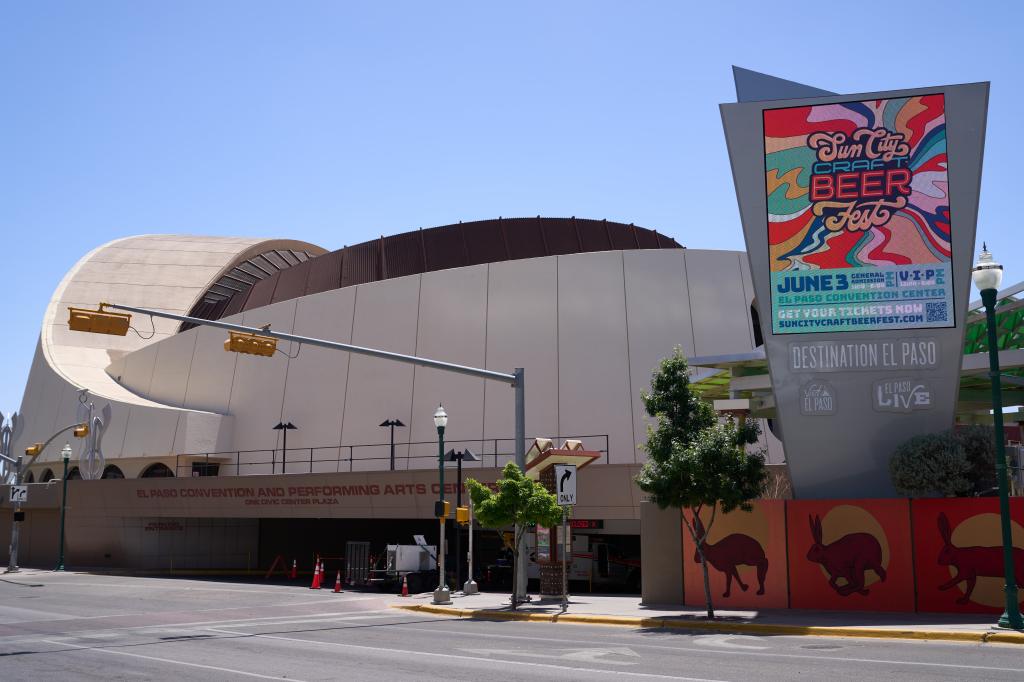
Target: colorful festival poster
x,y
858,216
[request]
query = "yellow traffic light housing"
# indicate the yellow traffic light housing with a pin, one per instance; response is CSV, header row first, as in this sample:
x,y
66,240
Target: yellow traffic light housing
x,y
251,344
98,321
441,509
34,449
81,431
462,515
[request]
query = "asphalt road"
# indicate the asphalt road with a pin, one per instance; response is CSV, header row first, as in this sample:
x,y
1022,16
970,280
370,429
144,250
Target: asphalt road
x,y
85,627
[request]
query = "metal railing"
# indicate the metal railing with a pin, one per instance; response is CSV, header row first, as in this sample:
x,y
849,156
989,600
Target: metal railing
x,y
409,455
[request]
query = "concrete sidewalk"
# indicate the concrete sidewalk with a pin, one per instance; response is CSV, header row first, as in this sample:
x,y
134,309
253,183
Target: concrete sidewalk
x,y
627,611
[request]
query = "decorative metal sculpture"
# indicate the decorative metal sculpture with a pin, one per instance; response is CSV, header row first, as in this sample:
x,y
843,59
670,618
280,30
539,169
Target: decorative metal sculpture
x,y
9,433
91,462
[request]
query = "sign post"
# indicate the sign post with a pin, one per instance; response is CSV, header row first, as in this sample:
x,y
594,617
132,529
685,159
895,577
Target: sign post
x,y
859,226
19,494
565,485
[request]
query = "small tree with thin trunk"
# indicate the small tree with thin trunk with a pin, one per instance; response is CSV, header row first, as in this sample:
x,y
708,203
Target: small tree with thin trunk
x,y
694,458
518,501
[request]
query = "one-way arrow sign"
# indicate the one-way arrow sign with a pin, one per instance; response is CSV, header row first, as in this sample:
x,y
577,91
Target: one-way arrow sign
x,y
565,484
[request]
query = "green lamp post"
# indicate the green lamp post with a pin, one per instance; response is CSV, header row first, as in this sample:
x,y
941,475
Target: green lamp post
x,y
66,454
987,275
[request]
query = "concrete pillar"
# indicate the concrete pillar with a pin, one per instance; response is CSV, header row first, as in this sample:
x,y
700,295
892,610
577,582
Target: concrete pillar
x,y
661,555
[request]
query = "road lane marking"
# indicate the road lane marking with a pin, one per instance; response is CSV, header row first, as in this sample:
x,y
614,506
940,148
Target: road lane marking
x,y
179,627
588,655
245,624
729,652
390,652
167,660
727,641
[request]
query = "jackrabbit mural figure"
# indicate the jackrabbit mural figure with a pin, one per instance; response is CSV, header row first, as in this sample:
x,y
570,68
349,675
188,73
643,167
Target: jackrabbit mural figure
x,y
732,551
848,557
973,562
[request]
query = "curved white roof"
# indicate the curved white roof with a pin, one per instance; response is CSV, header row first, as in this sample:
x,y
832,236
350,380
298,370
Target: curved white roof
x,y
165,272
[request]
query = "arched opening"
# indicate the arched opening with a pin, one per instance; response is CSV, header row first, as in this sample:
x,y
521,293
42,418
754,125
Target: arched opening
x,y
47,476
157,470
30,478
74,474
112,471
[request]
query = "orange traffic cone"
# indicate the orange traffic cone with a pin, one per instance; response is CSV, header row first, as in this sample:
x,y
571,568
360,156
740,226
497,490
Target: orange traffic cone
x,y
337,583
405,586
316,576
295,570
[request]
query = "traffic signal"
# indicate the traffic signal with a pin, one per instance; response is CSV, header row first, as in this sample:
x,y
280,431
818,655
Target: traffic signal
x,y
252,344
81,431
462,515
441,509
98,321
34,450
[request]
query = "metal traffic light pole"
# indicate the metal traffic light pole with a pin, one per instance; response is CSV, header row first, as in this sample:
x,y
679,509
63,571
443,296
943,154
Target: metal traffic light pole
x,y
34,451
516,380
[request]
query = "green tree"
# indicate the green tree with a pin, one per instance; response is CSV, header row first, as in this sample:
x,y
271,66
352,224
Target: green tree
x,y
696,459
517,502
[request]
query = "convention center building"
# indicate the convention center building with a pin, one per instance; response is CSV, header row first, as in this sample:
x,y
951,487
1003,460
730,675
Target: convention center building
x,y
194,473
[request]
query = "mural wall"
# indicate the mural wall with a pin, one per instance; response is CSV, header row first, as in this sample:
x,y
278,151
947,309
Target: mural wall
x,y
747,558
939,555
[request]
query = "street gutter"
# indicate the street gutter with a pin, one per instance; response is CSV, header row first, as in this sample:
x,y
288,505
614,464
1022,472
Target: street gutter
x,y
977,637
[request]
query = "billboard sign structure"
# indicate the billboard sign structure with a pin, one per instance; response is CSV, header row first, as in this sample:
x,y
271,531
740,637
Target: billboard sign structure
x,y
858,216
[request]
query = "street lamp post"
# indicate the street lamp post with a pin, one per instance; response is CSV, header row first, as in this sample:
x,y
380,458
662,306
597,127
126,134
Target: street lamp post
x,y
66,455
392,423
441,595
453,456
987,275
470,587
285,427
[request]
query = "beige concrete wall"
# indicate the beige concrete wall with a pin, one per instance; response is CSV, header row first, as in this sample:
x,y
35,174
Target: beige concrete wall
x,y
661,555
589,329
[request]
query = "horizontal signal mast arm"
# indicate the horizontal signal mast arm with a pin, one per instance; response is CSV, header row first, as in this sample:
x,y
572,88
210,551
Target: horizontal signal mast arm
x,y
336,345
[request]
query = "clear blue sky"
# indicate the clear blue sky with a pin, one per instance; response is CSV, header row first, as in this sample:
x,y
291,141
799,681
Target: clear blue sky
x,y
337,122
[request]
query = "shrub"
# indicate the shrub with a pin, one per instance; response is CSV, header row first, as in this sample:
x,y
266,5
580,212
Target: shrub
x,y
979,446
929,465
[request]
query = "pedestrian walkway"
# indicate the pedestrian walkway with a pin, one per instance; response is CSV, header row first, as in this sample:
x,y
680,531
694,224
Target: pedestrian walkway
x,y
627,611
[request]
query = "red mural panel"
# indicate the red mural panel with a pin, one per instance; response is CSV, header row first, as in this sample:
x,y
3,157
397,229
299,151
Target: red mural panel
x,y
850,555
958,554
746,554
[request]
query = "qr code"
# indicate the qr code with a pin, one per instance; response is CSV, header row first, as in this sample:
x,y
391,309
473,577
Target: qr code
x,y
936,312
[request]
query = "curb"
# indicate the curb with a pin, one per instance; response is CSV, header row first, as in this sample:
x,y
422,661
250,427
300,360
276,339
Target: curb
x,y
716,626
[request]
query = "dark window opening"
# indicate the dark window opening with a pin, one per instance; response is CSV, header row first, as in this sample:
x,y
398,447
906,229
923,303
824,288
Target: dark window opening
x,y
205,468
755,320
112,471
157,470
